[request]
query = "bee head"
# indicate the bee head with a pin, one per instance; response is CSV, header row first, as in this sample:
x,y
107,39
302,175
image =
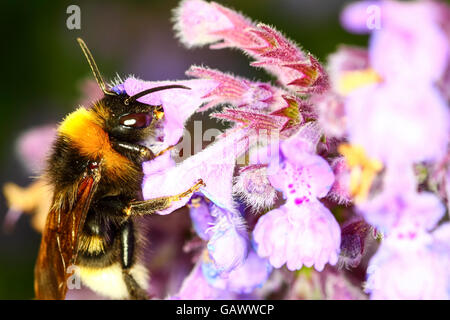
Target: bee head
x,y
123,117
126,119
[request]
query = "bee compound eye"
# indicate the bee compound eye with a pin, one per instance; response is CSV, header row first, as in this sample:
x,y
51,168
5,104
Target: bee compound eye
x,y
136,120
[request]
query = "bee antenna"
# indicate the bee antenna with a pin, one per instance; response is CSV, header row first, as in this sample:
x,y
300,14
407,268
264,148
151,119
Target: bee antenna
x,y
94,68
151,90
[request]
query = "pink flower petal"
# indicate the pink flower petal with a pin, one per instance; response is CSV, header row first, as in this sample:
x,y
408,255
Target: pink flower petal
x,y
214,164
310,237
252,274
238,91
228,245
195,287
390,121
196,22
391,270
306,177
400,209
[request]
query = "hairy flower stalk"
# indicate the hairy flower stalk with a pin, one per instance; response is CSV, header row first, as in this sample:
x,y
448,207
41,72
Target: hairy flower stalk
x,y
200,23
252,185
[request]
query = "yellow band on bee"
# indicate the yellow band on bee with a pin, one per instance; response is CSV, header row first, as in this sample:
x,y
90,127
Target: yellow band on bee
x,y
85,129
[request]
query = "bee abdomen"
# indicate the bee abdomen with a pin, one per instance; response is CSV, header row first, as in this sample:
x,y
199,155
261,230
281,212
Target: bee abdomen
x,y
109,281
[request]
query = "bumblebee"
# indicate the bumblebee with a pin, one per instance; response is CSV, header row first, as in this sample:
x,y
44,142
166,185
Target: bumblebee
x,y
95,170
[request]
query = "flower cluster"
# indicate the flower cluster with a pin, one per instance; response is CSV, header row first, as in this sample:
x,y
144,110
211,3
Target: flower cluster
x,y
302,231
397,118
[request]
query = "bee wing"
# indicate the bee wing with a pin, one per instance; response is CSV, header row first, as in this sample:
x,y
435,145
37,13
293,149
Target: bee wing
x,y
58,248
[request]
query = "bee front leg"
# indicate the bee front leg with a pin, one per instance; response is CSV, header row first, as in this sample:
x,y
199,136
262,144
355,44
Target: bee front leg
x,y
138,208
136,151
133,151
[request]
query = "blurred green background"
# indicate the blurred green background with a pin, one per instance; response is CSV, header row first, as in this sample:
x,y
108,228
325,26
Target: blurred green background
x,y
43,70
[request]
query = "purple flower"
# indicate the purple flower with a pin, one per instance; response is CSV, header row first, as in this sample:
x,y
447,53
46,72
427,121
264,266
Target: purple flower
x,y
389,121
228,244
346,59
302,231
204,282
196,287
399,209
447,189
311,237
215,163
444,83
441,237
302,176
331,113
252,274
421,50
387,117
226,266
406,275
225,231
202,220
227,263
409,250
355,16
410,269
398,115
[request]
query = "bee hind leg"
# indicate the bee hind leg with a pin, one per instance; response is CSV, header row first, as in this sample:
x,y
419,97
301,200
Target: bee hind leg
x,y
128,260
134,289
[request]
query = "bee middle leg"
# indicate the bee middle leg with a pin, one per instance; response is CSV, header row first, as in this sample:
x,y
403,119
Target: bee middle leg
x,y
127,255
152,205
